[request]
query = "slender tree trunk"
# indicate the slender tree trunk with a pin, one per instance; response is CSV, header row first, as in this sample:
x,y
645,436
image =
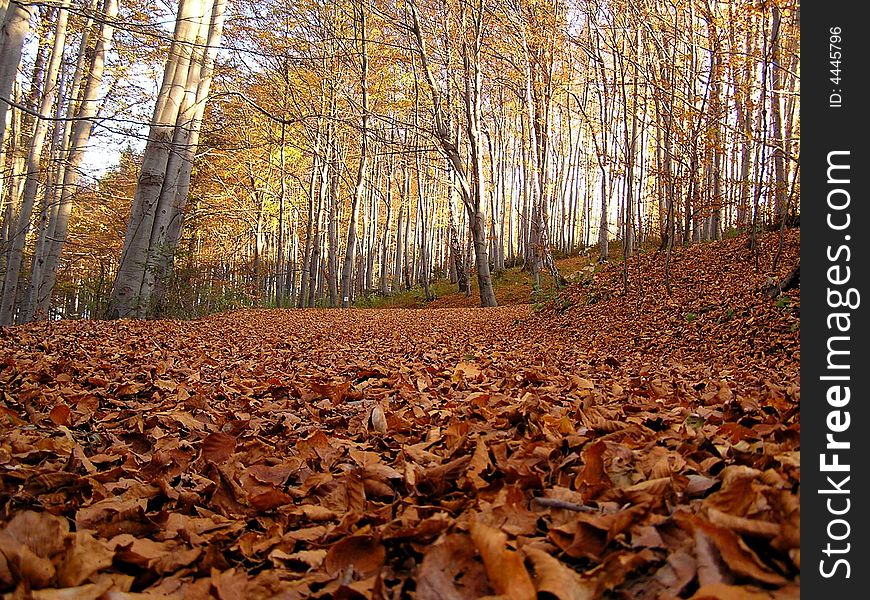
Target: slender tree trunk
x,y
334,204
309,225
421,216
400,231
360,188
384,282
21,228
14,27
780,188
314,278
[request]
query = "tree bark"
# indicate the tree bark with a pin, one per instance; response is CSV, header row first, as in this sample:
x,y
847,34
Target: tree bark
x,y
14,27
127,299
360,188
22,224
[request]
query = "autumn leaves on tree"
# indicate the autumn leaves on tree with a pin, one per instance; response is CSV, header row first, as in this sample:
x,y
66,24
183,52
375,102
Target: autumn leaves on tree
x,y
371,148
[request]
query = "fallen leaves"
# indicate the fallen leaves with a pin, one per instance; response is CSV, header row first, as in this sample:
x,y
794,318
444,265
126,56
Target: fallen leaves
x,y
360,554
217,447
39,550
504,567
614,450
449,571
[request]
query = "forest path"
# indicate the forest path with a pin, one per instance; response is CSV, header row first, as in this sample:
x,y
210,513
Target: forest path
x,y
229,359
318,344
336,342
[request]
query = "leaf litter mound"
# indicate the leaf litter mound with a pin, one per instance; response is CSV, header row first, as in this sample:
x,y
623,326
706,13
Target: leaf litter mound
x,y
608,446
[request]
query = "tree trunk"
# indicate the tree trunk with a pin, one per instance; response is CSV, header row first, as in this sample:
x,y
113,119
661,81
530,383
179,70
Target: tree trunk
x,y
14,27
127,299
384,279
400,231
166,233
360,189
780,188
334,205
21,226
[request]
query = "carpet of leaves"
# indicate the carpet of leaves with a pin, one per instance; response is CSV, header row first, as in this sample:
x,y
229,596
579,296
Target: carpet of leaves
x,y
611,445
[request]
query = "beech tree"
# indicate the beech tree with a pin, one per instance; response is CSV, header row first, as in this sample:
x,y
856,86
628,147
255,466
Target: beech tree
x,y
469,175
158,206
14,26
74,139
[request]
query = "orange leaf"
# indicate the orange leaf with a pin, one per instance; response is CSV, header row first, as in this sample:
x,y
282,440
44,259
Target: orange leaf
x,y
504,568
128,389
592,480
466,370
217,447
364,553
553,577
337,393
269,500
60,414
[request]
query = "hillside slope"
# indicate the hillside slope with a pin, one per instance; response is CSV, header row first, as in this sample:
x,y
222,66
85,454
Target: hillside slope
x,y
715,312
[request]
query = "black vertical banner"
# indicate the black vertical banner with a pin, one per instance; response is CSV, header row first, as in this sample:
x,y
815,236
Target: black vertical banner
x,y
835,421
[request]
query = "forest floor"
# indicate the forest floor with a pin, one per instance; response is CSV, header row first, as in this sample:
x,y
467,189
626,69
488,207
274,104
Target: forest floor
x,y
512,286
602,445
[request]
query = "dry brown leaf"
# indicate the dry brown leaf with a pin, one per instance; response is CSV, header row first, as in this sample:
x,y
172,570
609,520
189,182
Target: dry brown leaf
x,y
554,578
449,572
60,414
504,568
479,464
44,534
593,479
21,564
467,371
269,500
363,553
312,559
218,447
85,557
744,526
336,392
378,420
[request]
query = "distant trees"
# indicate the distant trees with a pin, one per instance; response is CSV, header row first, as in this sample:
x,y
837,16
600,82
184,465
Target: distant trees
x,y
469,172
370,147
